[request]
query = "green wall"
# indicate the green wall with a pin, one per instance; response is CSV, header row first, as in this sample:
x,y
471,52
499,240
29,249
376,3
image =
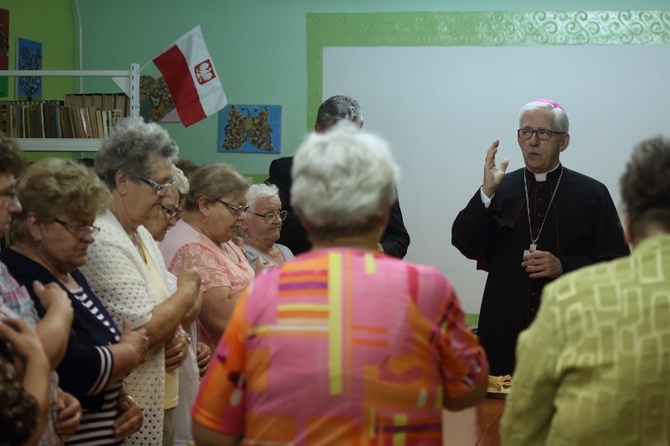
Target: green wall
x,y
52,23
260,49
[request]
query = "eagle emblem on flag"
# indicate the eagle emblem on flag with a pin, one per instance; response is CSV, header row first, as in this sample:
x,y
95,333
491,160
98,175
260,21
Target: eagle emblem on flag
x,y
204,72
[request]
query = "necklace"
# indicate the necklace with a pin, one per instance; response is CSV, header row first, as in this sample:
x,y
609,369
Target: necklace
x,y
197,228
135,238
533,241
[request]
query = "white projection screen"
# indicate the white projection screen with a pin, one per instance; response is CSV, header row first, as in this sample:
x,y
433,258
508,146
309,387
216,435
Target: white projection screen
x,y
441,107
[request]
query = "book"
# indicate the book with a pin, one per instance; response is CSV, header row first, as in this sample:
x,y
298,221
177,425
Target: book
x,y
107,102
85,123
51,120
65,122
121,102
92,122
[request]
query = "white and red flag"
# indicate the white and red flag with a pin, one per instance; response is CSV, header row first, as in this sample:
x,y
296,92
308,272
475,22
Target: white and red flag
x,y
191,78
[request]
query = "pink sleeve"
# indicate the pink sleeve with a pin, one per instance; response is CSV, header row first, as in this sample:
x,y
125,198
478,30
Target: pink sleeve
x,y
462,359
220,404
208,264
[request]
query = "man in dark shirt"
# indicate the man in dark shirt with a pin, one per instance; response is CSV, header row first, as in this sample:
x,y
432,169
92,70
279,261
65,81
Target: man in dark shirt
x,y
530,226
395,239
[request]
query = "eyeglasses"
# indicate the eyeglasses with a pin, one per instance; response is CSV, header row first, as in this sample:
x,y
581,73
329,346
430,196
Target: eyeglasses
x,y
9,195
170,213
270,216
237,210
161,189
79,231
542,134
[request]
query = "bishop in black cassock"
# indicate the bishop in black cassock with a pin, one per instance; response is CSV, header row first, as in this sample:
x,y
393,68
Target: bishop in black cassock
x,y
557,210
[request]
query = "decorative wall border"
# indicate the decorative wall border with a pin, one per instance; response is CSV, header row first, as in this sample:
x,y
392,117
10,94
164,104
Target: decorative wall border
x,y
475,29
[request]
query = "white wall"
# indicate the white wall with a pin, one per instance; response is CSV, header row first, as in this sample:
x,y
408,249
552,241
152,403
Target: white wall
x,y
441,107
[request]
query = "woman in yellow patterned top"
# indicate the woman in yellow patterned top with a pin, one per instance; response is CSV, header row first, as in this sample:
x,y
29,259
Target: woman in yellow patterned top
x,y
594,367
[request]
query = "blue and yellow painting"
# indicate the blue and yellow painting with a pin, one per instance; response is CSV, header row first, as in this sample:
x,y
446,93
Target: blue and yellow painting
x,y
250,129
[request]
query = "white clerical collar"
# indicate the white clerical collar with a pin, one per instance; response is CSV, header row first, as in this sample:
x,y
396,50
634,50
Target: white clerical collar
x,y
539,177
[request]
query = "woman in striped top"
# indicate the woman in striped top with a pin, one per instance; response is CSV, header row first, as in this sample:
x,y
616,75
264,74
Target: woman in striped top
x,y
49,242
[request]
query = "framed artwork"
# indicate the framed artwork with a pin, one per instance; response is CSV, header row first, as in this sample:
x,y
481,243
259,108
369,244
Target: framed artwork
x,y
4,51
250,129
29,57
156,104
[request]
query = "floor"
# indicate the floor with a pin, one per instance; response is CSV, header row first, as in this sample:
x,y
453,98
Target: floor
x,y
477,426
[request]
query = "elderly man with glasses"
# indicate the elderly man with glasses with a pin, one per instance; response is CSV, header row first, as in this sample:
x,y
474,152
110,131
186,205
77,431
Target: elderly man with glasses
x,y
530,226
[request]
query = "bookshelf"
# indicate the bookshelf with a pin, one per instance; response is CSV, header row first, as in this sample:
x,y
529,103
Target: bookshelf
x,y
132,76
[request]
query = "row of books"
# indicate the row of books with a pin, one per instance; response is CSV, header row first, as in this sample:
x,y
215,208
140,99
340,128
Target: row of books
x,y
78,116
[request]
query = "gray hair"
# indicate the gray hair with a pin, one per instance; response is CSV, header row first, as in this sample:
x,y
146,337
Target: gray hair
x,y
645,185
260,191
343,181
339,108
180,180
560,117
130,148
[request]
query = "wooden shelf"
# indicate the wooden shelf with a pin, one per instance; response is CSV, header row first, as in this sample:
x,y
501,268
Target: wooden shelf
x,y
59,144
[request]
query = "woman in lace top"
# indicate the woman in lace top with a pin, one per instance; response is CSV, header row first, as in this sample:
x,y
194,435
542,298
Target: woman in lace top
x,y
213,211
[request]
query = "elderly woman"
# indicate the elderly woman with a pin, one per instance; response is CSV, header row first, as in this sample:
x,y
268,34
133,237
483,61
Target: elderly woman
x,y
262,227
198,353
342,344
126,270
49,242
213,211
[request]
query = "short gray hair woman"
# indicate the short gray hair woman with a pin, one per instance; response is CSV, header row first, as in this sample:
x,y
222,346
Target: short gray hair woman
x,y
336,192
262,227
126,270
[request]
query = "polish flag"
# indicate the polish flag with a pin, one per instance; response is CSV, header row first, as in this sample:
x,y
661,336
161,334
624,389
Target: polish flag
x,y
191,78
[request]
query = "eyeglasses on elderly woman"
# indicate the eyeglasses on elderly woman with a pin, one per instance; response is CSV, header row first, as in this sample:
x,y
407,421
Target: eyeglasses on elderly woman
x,y
161,189
79,232
170,212
270,216
237,210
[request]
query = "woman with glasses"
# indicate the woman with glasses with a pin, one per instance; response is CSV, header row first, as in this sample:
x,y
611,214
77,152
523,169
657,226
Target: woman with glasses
x,y
50,239
169,212
213,212
214,209
126,271
198,354
262,227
